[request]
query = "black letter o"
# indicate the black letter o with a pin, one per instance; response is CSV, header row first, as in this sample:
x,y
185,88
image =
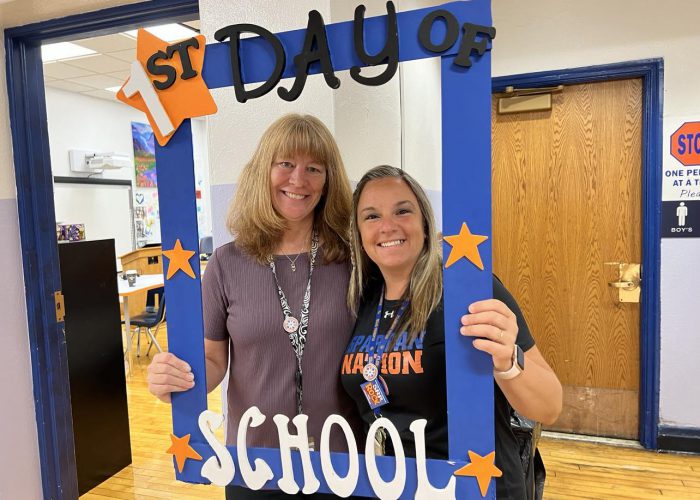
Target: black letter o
x,y
426,27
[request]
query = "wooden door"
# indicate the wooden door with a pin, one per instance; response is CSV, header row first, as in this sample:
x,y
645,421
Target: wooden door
x,y
566,200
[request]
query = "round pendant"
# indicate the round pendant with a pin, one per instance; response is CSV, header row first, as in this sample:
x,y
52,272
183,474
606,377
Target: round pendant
x,y
370,372
290,324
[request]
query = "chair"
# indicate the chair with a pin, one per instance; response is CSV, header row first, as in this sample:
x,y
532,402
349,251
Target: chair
x,y
206,247
151,318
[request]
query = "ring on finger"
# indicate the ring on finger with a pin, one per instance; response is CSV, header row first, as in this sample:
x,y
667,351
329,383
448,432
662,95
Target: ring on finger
x,y
500,336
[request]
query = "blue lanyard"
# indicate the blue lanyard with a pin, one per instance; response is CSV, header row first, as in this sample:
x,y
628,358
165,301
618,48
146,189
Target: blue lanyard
x,y
375,388
377,319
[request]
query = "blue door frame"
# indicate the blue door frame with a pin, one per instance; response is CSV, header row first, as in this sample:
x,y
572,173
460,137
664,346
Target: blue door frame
x,y
30,139
651,73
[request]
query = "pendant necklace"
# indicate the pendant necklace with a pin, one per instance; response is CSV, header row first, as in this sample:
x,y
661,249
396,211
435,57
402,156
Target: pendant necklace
x,y
293,263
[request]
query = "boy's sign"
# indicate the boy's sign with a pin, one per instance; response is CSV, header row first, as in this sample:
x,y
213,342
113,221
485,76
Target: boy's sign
x,y
171,83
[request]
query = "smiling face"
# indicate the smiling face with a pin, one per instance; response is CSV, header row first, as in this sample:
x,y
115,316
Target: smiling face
x,y
296,186
390,223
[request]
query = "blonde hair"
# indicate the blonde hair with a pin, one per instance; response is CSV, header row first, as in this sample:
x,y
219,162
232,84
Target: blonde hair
x,y
424,291
253,221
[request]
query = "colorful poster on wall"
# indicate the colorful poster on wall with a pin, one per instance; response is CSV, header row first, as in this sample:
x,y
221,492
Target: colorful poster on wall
x,y
144,155
146,216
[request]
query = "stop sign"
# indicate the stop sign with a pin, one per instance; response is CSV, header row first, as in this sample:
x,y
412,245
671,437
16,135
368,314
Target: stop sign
x,y
685,143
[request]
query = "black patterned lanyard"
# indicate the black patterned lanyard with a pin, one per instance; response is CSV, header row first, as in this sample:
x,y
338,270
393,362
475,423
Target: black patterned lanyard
x,y
297,328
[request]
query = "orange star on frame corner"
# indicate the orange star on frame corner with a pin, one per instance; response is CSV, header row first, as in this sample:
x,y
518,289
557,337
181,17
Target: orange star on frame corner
x,y
179,260
185,98
481,468
181,450
465,244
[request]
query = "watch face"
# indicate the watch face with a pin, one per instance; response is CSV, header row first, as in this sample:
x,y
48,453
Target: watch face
x,y
520,357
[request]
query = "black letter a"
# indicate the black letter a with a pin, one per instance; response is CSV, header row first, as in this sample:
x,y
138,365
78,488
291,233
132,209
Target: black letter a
x,y
315,49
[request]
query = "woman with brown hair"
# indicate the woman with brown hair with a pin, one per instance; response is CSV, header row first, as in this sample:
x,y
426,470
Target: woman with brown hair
x,y
274,299
398,345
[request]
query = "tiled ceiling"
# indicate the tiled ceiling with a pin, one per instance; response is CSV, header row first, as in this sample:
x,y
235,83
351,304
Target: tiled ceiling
x,y
92,74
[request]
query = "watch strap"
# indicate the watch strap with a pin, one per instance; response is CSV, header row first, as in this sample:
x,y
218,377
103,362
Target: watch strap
x,y
513,371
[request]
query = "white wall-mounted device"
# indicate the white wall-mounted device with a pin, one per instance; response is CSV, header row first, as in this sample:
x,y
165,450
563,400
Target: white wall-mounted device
x,y
93,162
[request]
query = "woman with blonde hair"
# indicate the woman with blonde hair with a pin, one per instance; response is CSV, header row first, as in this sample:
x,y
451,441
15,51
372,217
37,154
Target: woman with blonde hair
x,y
398,344
274,299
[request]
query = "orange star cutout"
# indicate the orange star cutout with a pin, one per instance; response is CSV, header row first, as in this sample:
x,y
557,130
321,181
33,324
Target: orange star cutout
x,y
179,260
482,468
181,450
185,98
465,244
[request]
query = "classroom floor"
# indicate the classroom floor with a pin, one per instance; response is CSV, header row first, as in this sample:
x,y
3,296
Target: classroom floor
x,y
574,469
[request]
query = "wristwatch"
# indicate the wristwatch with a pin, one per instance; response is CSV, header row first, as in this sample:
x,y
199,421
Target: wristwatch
x,y
516,369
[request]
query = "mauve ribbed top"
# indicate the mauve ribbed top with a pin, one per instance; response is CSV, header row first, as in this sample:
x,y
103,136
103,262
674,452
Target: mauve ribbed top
x,y
241,304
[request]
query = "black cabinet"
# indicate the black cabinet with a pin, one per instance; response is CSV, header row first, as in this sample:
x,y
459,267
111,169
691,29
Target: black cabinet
x,y
95,360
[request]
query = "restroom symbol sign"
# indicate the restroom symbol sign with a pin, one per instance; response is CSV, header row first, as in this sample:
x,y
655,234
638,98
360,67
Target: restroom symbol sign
x,y
682,213
681,219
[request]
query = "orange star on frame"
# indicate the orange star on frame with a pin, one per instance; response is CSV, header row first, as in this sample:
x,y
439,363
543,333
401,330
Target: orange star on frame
x,y
179,260
185,98
482,468
465,244
181,450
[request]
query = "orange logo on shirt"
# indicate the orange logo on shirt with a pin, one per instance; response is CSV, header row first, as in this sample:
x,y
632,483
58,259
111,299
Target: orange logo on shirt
x,y
393,363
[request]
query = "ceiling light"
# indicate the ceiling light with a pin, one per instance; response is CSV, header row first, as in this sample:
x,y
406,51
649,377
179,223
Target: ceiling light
x,y
168,32
63,50
113,89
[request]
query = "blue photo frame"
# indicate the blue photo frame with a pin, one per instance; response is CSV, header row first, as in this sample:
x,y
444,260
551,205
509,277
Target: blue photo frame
x,y
466,197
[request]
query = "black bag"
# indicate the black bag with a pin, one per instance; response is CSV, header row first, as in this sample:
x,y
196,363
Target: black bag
x,y
528,433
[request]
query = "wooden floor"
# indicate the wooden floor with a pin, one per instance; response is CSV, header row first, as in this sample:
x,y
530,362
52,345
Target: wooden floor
x,y
574,469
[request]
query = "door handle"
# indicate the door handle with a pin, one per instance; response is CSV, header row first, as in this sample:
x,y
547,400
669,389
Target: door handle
x,y
625,285
628,281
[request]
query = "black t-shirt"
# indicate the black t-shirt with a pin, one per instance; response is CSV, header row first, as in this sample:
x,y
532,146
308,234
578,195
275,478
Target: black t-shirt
x,y
415,376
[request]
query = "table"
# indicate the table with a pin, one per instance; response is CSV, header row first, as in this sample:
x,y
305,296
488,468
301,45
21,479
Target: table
x,y
143,282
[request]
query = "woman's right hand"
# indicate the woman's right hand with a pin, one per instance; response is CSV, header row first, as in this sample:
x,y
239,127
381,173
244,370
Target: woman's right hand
x,y
167,373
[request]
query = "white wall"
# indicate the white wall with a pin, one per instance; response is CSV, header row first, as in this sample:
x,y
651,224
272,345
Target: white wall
x,y
200,151
78,121
88,123
235,130
551,34
398,123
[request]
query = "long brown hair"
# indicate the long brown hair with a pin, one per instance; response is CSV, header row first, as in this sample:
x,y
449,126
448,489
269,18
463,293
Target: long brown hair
x,y
253,221
424,291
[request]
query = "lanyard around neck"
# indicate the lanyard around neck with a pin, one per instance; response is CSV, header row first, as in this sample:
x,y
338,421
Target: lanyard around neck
x,y
297,329
377,353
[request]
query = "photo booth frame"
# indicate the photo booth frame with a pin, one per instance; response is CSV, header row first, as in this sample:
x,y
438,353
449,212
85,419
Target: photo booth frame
x,y
466,198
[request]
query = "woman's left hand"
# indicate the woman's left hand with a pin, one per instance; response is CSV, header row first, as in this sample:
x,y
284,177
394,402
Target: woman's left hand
x,y
495,327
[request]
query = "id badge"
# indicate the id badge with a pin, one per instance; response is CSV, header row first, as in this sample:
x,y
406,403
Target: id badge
x,y
374,392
